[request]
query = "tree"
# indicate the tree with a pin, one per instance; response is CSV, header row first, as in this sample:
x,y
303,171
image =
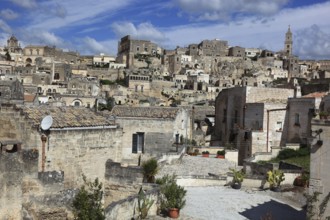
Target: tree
x,y
87,203
8,57
108,106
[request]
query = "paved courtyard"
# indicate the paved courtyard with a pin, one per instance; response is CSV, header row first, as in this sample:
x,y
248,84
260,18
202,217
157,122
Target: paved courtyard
x,y
225,203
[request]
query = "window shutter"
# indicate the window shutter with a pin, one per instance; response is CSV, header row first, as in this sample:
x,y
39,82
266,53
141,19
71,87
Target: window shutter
x,y
134,144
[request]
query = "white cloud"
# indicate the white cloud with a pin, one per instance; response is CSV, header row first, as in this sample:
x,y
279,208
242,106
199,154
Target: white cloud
x,y
8,14
25,3
221,9
75,13
89,45
41,37
255,32
144,31
312,42
5,27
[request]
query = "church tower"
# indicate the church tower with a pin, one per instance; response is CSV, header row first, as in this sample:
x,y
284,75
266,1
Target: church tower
x,y
288,42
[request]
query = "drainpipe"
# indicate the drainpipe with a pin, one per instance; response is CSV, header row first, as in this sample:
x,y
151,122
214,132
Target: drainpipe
x,y
268,111
43,152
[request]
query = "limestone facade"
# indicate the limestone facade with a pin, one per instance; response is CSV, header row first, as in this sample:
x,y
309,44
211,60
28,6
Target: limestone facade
x,y
319,167
150,130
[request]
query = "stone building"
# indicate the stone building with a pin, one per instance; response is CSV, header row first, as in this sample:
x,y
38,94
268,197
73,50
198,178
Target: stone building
x,y
32,52
128,48
76,138
288,43
13,46
319,181
213,48
296,129
11,91
6,69
83,87
139,83
239,110
150,130
236,51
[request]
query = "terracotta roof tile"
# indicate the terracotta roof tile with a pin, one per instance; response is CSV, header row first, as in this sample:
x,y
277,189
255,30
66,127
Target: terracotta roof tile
x,y
64,117
29,97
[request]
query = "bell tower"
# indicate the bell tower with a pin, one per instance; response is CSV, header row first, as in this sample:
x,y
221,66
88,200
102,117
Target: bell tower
x,y
288,42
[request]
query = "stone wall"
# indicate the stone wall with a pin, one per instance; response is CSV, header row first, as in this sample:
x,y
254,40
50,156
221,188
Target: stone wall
x,y
320,166
77,152
159,134
114,172
127,208
298,129
24,196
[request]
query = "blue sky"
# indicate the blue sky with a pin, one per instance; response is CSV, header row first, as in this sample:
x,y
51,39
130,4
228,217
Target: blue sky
x,y
96,26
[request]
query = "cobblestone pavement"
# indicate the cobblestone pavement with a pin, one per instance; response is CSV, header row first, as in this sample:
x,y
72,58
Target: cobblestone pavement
x,y
197,165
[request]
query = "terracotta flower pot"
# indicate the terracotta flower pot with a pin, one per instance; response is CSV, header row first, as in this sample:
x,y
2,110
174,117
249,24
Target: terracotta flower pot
x,y
205,155
173,213
221,156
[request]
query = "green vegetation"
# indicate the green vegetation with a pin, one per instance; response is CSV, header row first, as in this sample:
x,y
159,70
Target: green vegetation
x,y
121,82
108,106
300,157
150,169
221,152
87,203
144,204
274,178
238,176
172,194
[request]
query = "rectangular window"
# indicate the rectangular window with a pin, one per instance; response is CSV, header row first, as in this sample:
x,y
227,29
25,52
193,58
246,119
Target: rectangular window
x,y
296,119
138,143
279,126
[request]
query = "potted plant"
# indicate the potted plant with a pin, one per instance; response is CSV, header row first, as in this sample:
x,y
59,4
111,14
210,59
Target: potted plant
x,y
302,180
205,154
221,154
274,179
323,115
238,177
150,169
173,195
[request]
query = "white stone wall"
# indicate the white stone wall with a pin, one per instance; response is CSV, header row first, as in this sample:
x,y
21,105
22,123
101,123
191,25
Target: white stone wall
x,y
180,125
80,152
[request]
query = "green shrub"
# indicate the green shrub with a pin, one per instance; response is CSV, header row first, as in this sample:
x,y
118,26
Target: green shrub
x,y
303,152
87,204
221,152
287,153
172,194
290,153
150,169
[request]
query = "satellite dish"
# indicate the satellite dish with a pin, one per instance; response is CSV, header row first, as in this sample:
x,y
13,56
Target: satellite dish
x,y
46,122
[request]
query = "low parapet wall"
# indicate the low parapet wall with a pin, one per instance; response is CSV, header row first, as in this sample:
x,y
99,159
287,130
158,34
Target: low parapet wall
x,y
127,208
201,180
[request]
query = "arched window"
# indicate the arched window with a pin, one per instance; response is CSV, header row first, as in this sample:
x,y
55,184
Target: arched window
x,y
76,103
